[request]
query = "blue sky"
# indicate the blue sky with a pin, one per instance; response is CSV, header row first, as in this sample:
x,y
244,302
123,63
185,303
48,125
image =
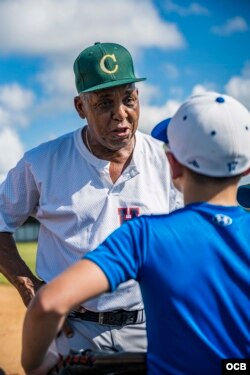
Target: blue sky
x,y
182,47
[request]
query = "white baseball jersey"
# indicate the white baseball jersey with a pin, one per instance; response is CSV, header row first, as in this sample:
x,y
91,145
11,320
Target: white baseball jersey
x,y
71,194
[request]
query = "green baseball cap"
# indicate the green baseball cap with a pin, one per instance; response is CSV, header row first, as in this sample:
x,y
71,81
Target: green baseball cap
x,y
103,65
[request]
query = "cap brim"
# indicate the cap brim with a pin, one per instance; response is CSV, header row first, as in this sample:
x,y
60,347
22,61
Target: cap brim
x,y
243,196
160,130
115,83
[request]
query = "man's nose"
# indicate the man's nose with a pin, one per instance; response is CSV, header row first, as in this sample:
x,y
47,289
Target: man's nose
x,y
120,111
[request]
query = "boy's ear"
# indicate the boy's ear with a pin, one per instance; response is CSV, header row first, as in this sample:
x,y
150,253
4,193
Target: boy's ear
x,y
176,167
79,106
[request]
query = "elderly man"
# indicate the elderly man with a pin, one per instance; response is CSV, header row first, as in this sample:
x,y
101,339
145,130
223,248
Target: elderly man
x,y
81,187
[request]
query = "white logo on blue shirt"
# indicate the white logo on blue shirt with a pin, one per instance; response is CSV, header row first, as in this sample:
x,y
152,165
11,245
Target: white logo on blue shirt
x,y
222,220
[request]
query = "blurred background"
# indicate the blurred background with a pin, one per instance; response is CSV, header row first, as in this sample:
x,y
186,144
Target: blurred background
x,y
182,47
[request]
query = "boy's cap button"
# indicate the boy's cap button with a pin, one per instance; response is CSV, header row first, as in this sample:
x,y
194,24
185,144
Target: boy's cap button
x,y
220,99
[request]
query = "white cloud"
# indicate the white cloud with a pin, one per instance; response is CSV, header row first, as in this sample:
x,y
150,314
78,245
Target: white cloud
x,y
147,92
55,27
58,30
11,150
57,78
5,118
246,69
231,26
239,86
152,115
192,9
16,98
15,103
199,89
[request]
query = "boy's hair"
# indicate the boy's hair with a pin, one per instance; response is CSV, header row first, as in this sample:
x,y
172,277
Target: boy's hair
x,y
202,179
210,135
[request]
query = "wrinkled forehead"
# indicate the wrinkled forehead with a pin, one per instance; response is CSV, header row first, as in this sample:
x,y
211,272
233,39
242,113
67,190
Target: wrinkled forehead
x,y
112,91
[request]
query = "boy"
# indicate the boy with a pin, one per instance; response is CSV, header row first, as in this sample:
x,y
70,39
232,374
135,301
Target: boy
x,y
192,265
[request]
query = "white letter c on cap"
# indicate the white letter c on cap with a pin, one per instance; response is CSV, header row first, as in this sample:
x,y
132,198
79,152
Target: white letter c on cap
x,y
103,67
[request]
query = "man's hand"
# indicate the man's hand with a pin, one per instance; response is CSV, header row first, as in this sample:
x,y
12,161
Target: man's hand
x,y
67,329
16,270
27,288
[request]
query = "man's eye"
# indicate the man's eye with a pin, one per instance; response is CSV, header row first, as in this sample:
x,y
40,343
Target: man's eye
x,y
105,104
130,101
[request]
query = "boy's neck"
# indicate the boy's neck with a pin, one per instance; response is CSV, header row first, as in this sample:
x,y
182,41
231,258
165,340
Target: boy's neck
x,y
220,194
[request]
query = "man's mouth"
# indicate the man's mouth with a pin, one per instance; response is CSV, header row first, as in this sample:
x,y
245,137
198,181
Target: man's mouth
x,y
121,132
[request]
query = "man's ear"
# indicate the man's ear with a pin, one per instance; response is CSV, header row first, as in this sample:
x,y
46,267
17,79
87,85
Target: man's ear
x,y
176,167
79,106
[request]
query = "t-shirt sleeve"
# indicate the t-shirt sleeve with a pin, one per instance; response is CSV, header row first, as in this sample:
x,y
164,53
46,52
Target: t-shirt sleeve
x,y
122,255
18,197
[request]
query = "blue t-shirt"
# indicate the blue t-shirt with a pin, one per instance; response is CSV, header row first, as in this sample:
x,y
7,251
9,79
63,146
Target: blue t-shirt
x,y
193,267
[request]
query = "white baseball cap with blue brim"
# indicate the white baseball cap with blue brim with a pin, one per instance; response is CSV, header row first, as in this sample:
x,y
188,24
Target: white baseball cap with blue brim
x,y
160,130
209,134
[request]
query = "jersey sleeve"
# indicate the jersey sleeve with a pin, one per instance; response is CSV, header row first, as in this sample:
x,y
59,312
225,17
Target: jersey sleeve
x,y
122,255
18,197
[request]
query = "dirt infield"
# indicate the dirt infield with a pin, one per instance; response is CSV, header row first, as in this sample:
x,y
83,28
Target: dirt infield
x,y
11,317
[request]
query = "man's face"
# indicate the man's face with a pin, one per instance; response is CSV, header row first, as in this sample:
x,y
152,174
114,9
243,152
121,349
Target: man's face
x,y
112,115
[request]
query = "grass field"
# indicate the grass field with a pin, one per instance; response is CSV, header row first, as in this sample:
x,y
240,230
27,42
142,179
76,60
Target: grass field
x,y
28,253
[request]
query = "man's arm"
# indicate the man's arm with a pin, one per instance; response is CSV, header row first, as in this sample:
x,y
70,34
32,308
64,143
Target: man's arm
x,y
118,259
48,309
15,269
